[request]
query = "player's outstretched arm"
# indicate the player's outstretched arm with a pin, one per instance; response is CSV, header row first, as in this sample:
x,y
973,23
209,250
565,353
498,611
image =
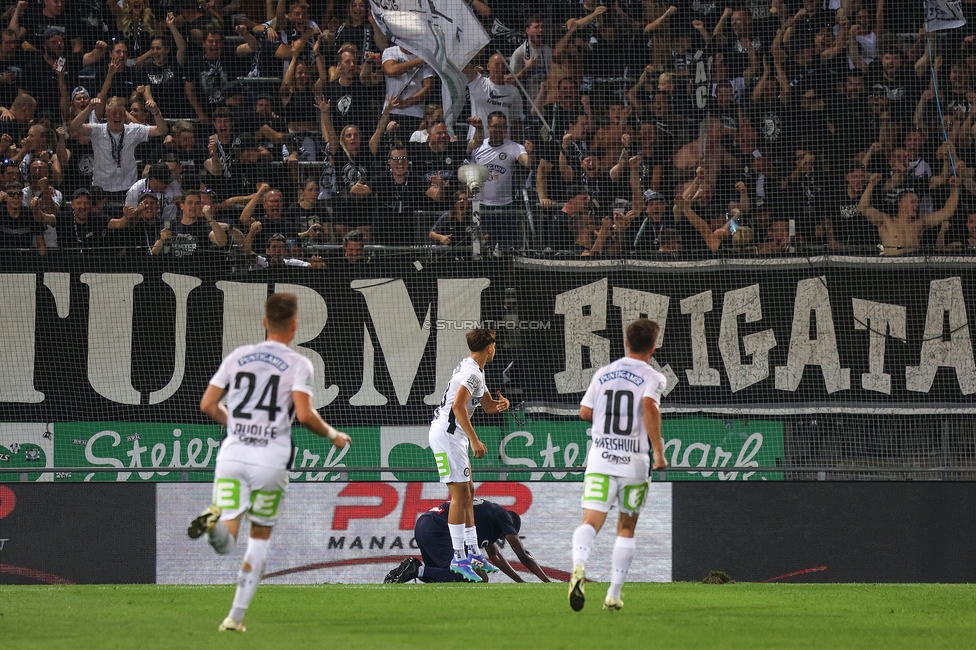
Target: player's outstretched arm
x,y
210,404
496,558
312,421
526,558
460,410
652,423
493,406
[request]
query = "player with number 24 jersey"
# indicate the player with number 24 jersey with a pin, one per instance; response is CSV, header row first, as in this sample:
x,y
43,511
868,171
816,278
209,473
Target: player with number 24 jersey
x,y
259,380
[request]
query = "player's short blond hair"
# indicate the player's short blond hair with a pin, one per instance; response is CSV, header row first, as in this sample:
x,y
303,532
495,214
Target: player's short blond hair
x,y
280,309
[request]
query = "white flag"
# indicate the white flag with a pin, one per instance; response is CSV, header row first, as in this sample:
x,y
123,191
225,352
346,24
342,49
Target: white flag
x,y
943,14
445,34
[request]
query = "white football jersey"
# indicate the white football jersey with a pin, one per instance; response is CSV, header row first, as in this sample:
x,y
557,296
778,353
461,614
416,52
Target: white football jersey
x,y
259,380
472,377
616,395
500,161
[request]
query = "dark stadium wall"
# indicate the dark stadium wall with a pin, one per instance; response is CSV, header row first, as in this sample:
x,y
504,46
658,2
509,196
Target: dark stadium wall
x,y
825,532
84,533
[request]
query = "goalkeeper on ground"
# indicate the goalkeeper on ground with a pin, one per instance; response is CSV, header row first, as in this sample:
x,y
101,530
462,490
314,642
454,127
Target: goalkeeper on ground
x,y
493,524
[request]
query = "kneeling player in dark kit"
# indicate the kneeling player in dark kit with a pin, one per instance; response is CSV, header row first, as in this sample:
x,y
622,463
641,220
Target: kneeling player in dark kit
x,y
493,523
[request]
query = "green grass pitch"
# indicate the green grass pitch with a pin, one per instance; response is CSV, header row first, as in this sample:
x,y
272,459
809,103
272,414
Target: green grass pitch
x,y
677,615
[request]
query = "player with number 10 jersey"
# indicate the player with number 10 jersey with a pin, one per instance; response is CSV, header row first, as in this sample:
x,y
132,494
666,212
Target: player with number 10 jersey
x,y
622,403
616,393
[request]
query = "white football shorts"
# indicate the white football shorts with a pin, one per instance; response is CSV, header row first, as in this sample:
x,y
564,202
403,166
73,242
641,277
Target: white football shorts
x,y
602,491
450,455
242,487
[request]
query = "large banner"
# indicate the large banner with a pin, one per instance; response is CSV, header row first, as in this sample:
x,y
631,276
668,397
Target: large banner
x,y
747,337
136,340
357,532
531,449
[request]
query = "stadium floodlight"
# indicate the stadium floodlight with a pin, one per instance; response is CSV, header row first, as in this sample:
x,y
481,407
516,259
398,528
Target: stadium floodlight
x,y
473,177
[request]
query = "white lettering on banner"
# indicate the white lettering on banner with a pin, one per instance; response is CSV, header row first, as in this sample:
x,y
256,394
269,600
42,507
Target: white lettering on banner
x,y
700,373
18,315
243,314
314,314
746,458
579,331
157,456
457,301
110,313
635,304
945,296
402,338
570,455
745,302
521,462
311,460
880,319
335,547
367,395
812,297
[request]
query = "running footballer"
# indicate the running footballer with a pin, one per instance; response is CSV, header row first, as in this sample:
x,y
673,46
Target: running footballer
x,y
266,385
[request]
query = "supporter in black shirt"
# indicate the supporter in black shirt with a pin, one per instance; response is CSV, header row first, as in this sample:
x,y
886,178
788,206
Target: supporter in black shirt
x,y
11,67
267,208
196,233
358,31
18,227
439,157
79,229
352,102
397,195
207,73
45,16
164,76
40,77
191,152
135,232
453,228
310,216
850,229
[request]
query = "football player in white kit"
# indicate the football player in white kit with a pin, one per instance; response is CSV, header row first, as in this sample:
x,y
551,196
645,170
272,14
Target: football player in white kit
x,y
266,386
451,432
622,404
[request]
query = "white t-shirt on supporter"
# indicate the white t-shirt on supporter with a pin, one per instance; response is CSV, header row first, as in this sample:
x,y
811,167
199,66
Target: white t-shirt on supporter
x,y
108,174
500,161
399,86
488,97
471,376
167,206
259,380
616,395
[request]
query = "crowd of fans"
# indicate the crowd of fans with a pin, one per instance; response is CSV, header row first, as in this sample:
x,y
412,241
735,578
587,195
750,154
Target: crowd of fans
x,y
629,129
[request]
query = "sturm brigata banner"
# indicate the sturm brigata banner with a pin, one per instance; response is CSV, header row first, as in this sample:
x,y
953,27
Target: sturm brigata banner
x,y
135,340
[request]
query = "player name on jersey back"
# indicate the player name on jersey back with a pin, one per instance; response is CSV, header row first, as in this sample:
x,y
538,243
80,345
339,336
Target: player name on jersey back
x,y
616,394
260,380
